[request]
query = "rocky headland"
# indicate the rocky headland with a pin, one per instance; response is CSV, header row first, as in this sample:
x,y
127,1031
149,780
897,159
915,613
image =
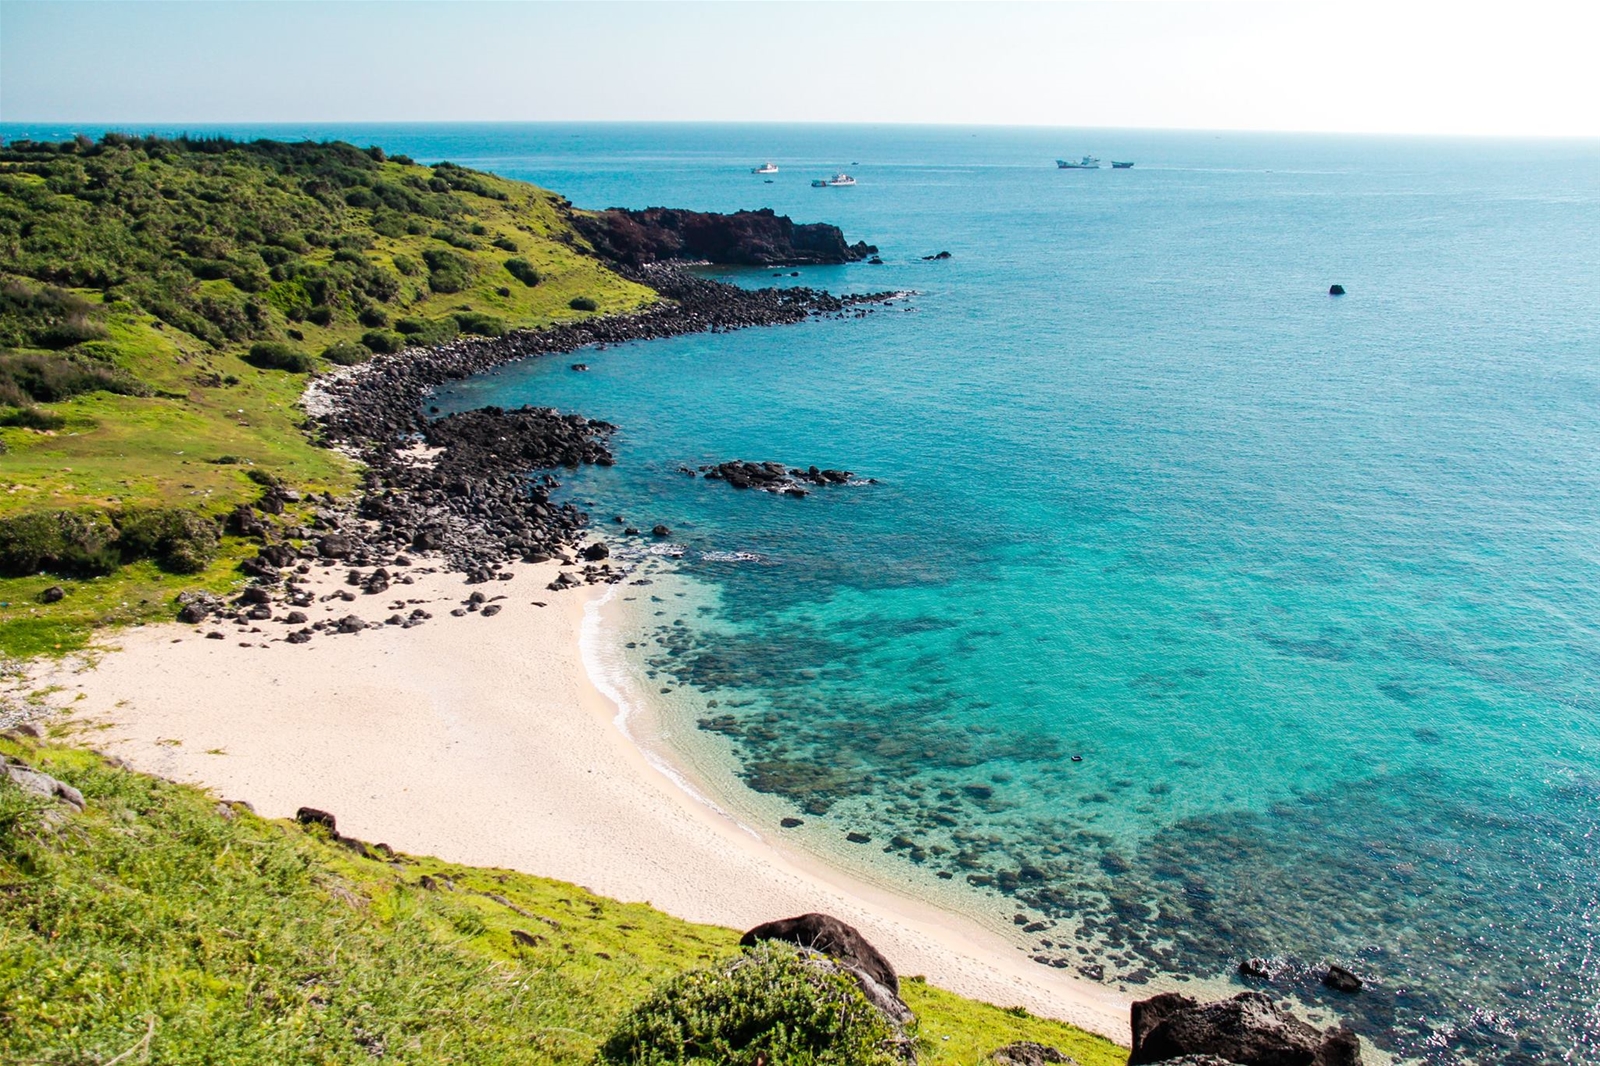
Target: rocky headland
x,y
743,238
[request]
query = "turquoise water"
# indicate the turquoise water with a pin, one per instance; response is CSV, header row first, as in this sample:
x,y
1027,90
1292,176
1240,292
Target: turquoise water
x,y
1311,585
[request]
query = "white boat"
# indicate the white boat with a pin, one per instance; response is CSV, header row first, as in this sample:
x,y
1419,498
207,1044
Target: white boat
x,y
1088,162
765,168
835,181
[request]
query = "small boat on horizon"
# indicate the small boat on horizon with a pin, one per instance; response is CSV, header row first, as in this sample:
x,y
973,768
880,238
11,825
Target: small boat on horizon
x,y
1088,162
765,168
1121,166
836,181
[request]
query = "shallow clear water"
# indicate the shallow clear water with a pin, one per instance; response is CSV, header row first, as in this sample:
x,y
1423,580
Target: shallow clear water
x,y
1311,585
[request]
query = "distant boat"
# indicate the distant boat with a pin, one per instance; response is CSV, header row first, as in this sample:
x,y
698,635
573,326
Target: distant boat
x,y
1121,166
1088,162
835,181
765,168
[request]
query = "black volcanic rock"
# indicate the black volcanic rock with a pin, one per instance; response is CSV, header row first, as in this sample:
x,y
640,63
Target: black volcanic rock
x,y
1248,1029
747,238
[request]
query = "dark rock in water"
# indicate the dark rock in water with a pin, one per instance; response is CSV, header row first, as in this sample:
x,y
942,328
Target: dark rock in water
x,y
1341,980
580,367
53,594
1335,290
857,838
660,531
1256,967
833,938
750,238
1027,1053
791,822
876,260
312,816
1248,1029
595,552
940,255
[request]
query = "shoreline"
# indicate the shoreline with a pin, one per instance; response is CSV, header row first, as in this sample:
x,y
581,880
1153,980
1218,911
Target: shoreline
x,y
485,741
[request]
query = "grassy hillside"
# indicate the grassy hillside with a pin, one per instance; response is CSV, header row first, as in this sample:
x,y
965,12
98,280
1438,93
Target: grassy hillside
x,y
162,302
158,913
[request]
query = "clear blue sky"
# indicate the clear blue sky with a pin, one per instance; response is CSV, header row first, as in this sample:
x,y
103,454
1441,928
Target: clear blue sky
x,y
1520,69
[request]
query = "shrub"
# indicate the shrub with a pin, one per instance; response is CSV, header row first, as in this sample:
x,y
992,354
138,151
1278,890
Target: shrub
x,y
583,303
523,271
481,324
424,333
74,543
447,271
52,378
505,244
383,340
373,317
771,1005
179,540
275,355
31,417
320,315
344,353
502,291
407,265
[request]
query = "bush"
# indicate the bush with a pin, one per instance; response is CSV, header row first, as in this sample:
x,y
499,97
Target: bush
x,y
75,543
447,271
383,341
31,418
523,271
771,1005
344,353
52,378
424,333
407,266
320,315
583,303
275,355
505,244
373,317
479,323
179,540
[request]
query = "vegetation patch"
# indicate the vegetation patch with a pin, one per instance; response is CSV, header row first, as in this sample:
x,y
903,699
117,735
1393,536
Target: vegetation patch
x,y
158,920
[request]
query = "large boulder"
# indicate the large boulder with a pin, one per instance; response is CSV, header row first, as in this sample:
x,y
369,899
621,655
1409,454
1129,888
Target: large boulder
x,y
39,783
751,238
1029,1053
1248,1029
845,945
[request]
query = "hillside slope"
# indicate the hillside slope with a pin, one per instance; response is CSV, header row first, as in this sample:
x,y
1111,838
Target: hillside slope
x,y
157,919
161,303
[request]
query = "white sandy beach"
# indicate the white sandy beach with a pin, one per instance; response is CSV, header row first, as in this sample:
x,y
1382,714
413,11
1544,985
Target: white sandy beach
x,y
482,741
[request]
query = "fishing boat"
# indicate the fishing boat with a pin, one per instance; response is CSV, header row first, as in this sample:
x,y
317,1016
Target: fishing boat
x,y
765,168
836,181
1121,166
1088,162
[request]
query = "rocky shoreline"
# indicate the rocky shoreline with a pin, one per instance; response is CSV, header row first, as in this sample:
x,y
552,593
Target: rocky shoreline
x,y
473,489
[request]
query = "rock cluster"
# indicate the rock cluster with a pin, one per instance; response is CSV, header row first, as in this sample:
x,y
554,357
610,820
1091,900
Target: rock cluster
x,y
748,238
1248,1029
470,487
773,477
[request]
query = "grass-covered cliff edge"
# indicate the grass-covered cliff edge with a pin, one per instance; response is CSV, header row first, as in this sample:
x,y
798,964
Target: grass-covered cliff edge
x,y
158,920
161,304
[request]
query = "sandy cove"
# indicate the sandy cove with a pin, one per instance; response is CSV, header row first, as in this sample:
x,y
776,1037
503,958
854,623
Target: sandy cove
x,y
482,741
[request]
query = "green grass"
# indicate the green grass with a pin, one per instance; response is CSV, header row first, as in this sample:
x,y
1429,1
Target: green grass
x,y
126,230
241,940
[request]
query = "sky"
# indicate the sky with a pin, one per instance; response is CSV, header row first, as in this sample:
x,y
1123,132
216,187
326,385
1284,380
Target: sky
x,y
1517,69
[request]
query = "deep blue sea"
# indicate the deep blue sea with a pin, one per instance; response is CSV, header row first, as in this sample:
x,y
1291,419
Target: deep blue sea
x,y
1194,610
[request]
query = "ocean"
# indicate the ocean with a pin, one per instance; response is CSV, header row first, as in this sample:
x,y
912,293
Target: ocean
x,y
1192,614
